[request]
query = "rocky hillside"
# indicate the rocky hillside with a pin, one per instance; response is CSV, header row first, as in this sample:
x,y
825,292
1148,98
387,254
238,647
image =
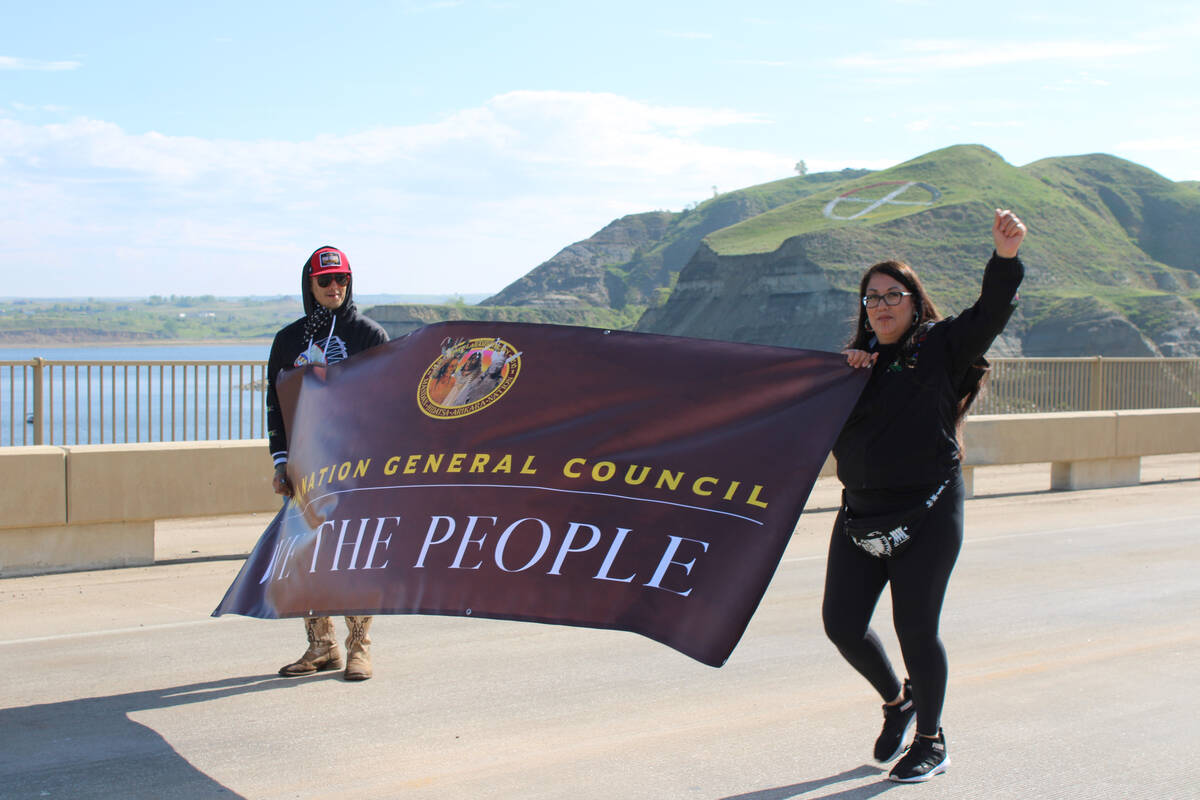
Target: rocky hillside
x,y
1113,257
609,279
633,261
1111,260
399,319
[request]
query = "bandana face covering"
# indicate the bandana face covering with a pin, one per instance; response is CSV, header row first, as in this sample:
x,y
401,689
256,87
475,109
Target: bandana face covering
x,y
317,322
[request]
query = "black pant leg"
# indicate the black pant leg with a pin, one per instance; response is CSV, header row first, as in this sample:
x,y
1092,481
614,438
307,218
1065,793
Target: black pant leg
x,y
919,579
853,583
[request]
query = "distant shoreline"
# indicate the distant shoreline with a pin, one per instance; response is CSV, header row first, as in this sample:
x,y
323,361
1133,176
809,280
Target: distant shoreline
x,y
39,341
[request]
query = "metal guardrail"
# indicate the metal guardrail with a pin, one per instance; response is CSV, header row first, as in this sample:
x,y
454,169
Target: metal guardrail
x,y
114,402
1033,385
117,402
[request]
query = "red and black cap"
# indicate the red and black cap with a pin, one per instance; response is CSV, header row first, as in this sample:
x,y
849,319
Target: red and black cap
x,y
328,261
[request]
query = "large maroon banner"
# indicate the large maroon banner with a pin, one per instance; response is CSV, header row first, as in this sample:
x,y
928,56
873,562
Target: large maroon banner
x,y
549,474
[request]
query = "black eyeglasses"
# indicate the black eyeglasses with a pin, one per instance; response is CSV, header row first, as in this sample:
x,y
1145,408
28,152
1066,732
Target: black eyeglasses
x,y
890,298
343,278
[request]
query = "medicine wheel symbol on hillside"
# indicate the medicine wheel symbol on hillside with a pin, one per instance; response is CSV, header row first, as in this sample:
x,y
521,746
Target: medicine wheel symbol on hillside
x,y
891,198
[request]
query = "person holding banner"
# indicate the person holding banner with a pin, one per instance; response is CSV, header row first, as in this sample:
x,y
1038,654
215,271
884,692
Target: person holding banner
x,y
898,458
330,331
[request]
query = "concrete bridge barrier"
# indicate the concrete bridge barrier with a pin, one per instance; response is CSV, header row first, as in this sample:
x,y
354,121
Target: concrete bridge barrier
x,y
95,506
1086,449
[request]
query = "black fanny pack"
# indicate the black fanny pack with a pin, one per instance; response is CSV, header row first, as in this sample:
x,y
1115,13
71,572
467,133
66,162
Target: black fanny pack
x,y
885,535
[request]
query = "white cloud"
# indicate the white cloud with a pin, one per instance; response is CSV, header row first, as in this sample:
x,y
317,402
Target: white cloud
x,y
1162,144
469,202
752,62
1174,155
1183,29
431,5
889,82
934,55
604,130
1083,80
34,65
55,109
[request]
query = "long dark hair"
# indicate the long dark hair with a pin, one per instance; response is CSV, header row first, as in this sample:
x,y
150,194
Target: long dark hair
x,y
926,312
923,304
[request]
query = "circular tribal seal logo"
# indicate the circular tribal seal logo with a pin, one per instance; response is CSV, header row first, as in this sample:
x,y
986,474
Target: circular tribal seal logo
x,y
468,376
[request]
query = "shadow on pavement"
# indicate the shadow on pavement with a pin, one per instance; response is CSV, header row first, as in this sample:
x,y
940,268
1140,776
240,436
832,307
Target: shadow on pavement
x,y
796,790
90,747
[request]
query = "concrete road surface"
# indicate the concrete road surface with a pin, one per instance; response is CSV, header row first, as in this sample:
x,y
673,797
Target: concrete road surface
x,y
1072,628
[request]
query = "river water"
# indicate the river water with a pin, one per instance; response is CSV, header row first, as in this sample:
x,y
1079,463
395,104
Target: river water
x,y
207,351
135,403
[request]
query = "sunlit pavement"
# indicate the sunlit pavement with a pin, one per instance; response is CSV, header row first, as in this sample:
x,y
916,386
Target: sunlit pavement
x,y
1070,624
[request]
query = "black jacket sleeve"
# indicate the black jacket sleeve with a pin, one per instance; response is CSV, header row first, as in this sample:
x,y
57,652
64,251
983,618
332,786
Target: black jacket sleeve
x,y
280,359
972,332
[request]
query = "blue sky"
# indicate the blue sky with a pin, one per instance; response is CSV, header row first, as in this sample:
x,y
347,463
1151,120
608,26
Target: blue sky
x,y
161,148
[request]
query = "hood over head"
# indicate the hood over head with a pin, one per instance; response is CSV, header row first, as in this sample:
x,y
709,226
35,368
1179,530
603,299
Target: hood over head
x,y
325,260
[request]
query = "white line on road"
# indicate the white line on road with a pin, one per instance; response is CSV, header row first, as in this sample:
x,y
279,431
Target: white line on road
x,y
113,631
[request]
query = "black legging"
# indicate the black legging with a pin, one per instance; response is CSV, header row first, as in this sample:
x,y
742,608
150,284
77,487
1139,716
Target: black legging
x,y
919,576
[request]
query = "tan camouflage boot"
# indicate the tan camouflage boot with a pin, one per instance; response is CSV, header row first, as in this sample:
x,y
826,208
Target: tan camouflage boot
x,y
322,652
358,648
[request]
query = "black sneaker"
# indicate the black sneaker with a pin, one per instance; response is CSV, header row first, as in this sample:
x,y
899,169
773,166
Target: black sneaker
x,y
897,720
924,759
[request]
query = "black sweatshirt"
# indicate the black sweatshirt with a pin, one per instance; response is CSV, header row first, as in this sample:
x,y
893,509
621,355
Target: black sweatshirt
x,y
902,432
350,333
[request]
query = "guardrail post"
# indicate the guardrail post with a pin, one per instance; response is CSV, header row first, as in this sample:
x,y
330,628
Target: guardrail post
x,y
38,437
1097,384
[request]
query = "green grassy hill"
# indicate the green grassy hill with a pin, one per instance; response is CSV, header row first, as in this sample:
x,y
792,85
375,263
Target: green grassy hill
x,y
1157,215
650,274
1113,256
633,262
960,175
1101,228
1077,243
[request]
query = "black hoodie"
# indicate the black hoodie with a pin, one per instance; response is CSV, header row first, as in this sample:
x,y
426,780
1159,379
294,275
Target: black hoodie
x,y
345,333
902,433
